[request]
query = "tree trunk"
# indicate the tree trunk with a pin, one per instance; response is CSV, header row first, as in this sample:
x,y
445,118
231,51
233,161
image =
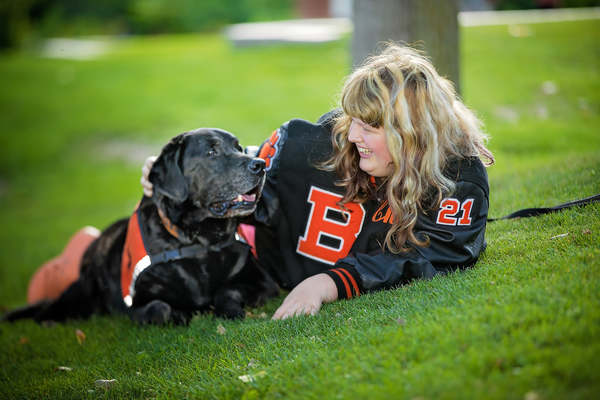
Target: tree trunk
x,y
431,25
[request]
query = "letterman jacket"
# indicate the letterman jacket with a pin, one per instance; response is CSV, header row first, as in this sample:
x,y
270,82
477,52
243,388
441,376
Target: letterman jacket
x,y
301,231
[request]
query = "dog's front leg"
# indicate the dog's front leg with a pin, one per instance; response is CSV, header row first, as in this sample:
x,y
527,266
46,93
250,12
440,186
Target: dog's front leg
x,y
157,312
229,303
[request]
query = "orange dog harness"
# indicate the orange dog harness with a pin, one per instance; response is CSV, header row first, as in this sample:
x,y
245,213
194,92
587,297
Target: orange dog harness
x,y
134,260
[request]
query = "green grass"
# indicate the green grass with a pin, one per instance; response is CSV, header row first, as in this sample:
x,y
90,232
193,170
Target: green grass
x,y
524,323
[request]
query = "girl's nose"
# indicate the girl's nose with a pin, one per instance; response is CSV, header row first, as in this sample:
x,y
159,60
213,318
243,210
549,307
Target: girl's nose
x,y
354,135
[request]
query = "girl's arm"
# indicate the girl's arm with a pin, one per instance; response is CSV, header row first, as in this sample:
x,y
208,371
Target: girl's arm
x,y
456,240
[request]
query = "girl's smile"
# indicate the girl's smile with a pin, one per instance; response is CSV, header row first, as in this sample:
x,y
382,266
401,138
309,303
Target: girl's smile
x,y
364,152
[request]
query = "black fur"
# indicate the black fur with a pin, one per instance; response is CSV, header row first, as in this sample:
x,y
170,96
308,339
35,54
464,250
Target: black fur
x,y
196,179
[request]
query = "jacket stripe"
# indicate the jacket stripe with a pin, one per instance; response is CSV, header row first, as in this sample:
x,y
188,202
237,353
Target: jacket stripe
x,y
345,282
352,281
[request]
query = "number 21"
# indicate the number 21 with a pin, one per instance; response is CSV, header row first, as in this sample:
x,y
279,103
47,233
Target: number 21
x,y
449,209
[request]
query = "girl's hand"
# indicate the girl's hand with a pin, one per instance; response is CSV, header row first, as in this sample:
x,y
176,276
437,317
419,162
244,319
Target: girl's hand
x,y
145,173
307,297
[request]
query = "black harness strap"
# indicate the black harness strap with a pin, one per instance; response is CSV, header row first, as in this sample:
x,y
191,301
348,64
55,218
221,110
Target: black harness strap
x,y
194,251
191,251
533,212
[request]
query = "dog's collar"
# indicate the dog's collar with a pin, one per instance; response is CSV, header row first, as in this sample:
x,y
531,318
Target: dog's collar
x,y
169,226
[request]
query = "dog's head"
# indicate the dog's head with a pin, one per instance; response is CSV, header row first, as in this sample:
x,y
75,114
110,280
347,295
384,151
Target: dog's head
x,y
205,174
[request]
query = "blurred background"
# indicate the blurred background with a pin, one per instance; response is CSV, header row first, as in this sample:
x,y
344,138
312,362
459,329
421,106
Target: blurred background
x,y
24,21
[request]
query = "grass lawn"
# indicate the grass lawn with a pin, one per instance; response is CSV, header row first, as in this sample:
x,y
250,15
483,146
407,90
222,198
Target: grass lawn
x,y
523,324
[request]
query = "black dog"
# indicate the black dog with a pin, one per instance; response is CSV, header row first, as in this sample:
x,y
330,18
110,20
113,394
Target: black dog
x,y
203,185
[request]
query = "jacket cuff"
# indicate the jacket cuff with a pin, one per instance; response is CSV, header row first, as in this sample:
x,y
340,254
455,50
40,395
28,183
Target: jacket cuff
x,y
346,280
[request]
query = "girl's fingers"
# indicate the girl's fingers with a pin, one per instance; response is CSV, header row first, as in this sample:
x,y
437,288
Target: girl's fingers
x,y
283,312
280,312
286,311
146,184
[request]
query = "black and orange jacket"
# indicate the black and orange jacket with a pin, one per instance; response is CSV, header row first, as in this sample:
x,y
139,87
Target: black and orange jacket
x,y
301,231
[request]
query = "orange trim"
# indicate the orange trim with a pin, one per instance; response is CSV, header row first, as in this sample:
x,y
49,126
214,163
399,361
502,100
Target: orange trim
x,y
269,148
348,292
352,281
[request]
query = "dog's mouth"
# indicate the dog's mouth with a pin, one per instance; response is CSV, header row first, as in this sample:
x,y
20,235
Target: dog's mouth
x,y
242,204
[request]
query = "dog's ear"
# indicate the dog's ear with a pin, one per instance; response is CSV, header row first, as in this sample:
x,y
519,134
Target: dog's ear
x,y
166,174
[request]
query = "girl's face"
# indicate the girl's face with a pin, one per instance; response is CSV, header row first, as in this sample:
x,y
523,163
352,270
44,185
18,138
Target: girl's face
x,y
371,143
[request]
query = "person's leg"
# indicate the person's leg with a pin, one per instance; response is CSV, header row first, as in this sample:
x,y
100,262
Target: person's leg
x,y
54,276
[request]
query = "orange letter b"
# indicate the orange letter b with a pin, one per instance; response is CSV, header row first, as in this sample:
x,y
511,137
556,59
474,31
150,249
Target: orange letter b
x,y
330,231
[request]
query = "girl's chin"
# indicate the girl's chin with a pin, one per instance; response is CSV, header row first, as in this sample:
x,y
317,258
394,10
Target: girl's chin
x,y
373,170
367,167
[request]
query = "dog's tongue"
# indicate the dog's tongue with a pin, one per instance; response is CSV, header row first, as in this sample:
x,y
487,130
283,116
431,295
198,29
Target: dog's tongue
x,y
246,197
249,197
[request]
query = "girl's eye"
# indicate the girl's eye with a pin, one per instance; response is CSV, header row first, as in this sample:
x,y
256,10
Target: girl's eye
x,y
365,126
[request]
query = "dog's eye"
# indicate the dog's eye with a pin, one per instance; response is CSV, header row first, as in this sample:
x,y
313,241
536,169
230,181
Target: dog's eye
x,y
213,151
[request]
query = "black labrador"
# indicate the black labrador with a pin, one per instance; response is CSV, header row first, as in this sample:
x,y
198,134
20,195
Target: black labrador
x,y
178,254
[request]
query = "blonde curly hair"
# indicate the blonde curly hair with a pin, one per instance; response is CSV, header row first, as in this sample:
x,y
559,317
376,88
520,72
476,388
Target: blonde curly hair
x,y
425,124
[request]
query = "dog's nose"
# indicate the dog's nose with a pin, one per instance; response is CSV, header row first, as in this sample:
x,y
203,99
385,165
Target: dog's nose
x,y
257,165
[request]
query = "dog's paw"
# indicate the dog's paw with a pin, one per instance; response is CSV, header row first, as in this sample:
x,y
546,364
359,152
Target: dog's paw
x,y
156,312
231,313
229,304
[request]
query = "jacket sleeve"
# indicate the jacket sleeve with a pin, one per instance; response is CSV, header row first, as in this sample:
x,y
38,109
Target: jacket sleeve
x,y
267,211
456,239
